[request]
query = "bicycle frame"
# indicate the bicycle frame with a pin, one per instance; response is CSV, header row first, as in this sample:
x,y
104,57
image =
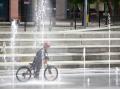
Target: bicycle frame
x,y
49,70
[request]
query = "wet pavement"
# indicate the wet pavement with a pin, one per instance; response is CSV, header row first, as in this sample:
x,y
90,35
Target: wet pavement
x,y
66,80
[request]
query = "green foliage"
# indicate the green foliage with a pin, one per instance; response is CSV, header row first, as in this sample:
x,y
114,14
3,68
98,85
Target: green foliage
x,y
76,2
116,1
92,1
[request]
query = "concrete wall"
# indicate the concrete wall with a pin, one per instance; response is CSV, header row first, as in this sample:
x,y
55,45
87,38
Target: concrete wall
x,y
61,8
14,8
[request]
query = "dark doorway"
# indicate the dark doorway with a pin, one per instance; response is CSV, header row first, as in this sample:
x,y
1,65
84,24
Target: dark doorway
x,y
26,10
4,10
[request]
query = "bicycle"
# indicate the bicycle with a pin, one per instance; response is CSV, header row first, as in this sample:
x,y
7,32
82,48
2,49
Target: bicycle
x,y
24,73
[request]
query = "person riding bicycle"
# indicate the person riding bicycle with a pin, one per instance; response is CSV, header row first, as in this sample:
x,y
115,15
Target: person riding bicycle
x,y
40,58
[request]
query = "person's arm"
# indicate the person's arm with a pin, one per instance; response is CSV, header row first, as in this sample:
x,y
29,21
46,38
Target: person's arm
x,y
46,58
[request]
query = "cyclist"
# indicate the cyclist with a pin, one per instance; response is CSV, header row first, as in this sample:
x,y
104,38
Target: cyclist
x,y
40,58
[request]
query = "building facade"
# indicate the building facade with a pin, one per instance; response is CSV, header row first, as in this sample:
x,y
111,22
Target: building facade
x,y
4,10
23,9
18,9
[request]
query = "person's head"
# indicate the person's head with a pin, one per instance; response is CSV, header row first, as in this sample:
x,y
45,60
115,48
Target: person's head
x,y
46,45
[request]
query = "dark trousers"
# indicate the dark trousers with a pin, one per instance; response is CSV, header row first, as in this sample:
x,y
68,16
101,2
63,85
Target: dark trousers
x,y
37,67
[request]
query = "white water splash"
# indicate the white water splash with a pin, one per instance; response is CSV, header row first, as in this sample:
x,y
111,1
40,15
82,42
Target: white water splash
x,y
14,28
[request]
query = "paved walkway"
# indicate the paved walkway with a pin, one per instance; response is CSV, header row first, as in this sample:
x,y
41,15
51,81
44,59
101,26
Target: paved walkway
x,y
63,24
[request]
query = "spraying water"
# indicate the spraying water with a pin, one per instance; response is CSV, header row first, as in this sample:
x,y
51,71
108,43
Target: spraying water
x,y
42,21
4,52
109,28
40,25
14,28
117,76
84,60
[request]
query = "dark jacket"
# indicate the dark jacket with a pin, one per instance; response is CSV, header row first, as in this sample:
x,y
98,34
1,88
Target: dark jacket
x,y
40,55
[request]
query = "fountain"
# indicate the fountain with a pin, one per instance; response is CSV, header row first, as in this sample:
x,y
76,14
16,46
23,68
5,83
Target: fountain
x,y
84,60
42,20
117,76
3,50
88,82
14,28
109,53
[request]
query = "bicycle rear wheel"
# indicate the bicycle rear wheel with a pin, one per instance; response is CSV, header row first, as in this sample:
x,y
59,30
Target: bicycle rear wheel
x,y
23,74
51,73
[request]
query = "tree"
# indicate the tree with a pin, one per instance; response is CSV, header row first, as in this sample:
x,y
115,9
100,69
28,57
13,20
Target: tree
x,y
92,1
109,4
76,2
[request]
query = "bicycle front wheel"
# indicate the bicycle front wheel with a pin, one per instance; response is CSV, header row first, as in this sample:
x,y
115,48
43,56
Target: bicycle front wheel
x,y
23,74
51,73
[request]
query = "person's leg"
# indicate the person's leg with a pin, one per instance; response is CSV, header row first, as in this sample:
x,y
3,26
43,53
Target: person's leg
x,y
34,63
37,69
